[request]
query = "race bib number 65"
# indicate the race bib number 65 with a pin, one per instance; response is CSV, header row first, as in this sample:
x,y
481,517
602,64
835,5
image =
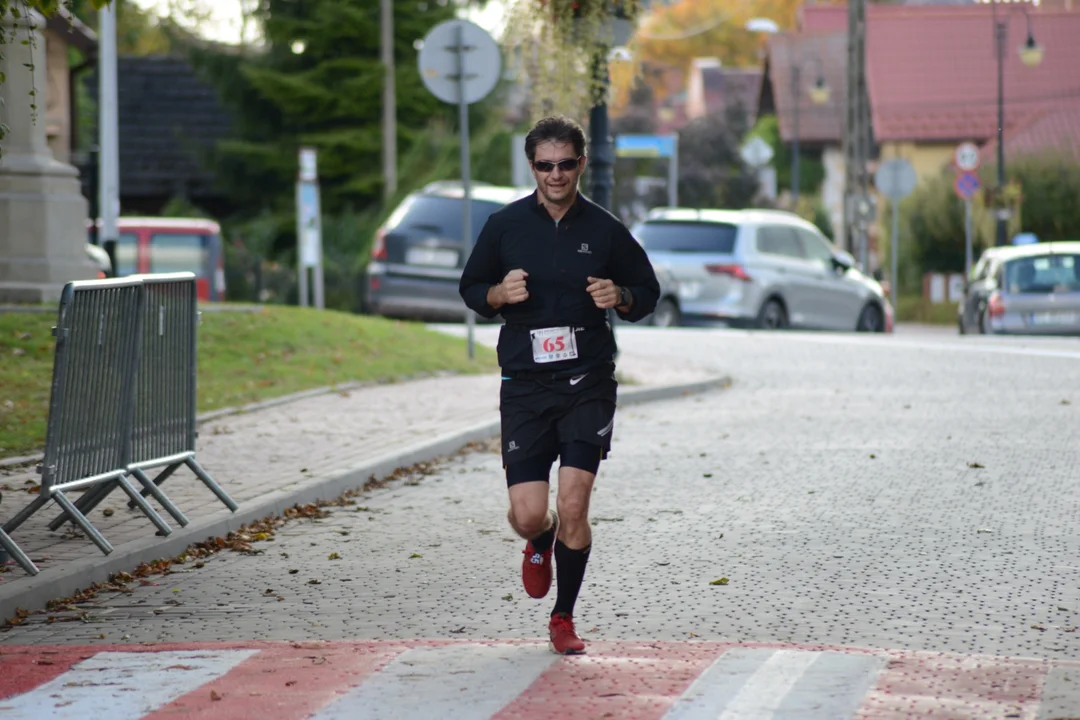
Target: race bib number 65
x,y
554,344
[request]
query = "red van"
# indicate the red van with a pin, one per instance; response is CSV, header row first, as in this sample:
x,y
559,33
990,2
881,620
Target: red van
x,y
163,245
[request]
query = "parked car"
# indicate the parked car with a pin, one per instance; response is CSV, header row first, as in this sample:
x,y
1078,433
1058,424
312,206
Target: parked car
x,y
418,254
1027,289
761,268
164,245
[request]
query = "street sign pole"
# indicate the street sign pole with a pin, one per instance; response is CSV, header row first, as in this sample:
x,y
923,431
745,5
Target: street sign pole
x,y
466,174
895,179
895,242
673,173
460,63
967,240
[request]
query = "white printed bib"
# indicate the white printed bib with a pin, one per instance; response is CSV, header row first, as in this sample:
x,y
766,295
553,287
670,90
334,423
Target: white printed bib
x,y
554,344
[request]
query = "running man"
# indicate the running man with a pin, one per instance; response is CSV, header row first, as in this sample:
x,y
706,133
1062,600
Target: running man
x,y
553,263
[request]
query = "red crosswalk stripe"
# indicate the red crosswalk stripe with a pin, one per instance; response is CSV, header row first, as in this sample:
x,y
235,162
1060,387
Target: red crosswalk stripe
x,y
522,680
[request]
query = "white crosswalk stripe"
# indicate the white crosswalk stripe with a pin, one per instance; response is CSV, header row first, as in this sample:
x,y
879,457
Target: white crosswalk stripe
x,y
121,686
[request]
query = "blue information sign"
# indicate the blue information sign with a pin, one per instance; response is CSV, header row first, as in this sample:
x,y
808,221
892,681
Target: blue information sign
x,y
657,146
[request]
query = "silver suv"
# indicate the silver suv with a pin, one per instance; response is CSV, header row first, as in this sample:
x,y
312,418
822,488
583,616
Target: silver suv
x,y
761,268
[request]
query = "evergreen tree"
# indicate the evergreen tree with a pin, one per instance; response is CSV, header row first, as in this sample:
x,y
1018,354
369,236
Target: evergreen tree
x,y
318,82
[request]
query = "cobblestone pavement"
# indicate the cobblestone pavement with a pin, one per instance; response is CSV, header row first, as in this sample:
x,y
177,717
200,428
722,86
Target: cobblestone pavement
x,y
912,494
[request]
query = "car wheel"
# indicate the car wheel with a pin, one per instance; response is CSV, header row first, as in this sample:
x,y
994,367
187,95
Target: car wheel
x,y
870,319
773,316
666,314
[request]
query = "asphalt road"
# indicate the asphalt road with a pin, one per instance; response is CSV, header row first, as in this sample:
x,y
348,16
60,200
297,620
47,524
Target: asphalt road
x,y
914,492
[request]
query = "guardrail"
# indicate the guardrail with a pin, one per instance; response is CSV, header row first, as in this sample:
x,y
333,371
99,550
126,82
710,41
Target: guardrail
x,y
122,401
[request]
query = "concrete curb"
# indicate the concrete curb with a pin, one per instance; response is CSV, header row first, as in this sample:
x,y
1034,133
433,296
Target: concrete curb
x,y
33,593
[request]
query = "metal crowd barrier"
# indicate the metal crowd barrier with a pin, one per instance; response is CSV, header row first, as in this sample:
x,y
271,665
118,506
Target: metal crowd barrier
x,y
123,400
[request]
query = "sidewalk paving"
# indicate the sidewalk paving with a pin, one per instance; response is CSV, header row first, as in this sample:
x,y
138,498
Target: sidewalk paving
x,y
270,458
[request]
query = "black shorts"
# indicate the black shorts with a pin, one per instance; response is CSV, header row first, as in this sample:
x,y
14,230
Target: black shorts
x,y
543,419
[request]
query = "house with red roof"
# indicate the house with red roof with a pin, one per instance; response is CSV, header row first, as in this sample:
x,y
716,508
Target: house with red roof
x,y
932,77
932,82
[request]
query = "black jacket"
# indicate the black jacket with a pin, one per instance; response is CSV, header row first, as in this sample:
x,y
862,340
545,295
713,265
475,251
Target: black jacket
x,y
587,242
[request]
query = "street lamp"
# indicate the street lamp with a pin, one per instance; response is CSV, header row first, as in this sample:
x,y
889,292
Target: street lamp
x,y
1031,54
819,94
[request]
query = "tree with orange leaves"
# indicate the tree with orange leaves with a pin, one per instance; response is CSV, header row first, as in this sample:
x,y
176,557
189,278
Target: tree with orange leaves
x,y
673,35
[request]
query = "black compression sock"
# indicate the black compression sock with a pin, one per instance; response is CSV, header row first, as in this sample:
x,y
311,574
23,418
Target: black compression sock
x,y
569,573
543,541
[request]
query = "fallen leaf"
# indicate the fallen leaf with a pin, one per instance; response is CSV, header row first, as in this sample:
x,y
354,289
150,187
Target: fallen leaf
x,y
293,572
108,512
507,596
708,475
290,683
414,556
720,581
984,530
873,456
459,630
975,466
313,581
214,695
333,556
1038,627
1065,402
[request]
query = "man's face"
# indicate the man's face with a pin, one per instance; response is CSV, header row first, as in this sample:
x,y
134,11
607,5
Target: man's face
x,y
557,184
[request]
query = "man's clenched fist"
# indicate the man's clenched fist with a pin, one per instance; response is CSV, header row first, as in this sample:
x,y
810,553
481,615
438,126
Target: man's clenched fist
x,y
510,291
604,293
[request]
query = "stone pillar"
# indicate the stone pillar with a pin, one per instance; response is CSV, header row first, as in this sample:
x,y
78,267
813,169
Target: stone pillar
x,y
43,214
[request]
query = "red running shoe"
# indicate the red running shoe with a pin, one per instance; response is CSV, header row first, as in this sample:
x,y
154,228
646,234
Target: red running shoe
x,y
536,566
564,640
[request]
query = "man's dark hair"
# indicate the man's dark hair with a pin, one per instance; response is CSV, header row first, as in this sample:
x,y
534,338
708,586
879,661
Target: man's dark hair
x,y
556,128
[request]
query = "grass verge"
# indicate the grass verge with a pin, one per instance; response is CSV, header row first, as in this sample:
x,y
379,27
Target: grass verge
x,y
244,356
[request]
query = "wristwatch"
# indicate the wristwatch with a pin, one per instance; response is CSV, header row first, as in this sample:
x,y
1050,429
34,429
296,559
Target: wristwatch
x,y
625,298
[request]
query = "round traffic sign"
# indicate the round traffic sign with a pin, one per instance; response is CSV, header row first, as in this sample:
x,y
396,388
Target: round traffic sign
x,y
967,157
459,61
966,185
895,179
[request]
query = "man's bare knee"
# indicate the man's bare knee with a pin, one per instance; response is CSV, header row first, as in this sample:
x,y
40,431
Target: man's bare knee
x,y
527,522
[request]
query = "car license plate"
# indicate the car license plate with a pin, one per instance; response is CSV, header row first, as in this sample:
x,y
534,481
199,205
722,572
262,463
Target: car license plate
x,y
431,256
1054,318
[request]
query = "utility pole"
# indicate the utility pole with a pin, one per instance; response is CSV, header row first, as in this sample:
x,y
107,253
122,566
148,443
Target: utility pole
x,y
1000,37
389,119
796,92
108,131
856,134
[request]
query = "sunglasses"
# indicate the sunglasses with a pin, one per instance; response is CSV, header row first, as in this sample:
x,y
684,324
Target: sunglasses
x,y
546,166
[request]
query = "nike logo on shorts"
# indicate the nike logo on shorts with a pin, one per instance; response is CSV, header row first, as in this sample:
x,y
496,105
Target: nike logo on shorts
x,y
579,378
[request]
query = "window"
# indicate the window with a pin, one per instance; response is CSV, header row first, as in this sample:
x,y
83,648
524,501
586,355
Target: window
x,y
127,254
814,246
1043,274
180,252
440,215
686,237
778,240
